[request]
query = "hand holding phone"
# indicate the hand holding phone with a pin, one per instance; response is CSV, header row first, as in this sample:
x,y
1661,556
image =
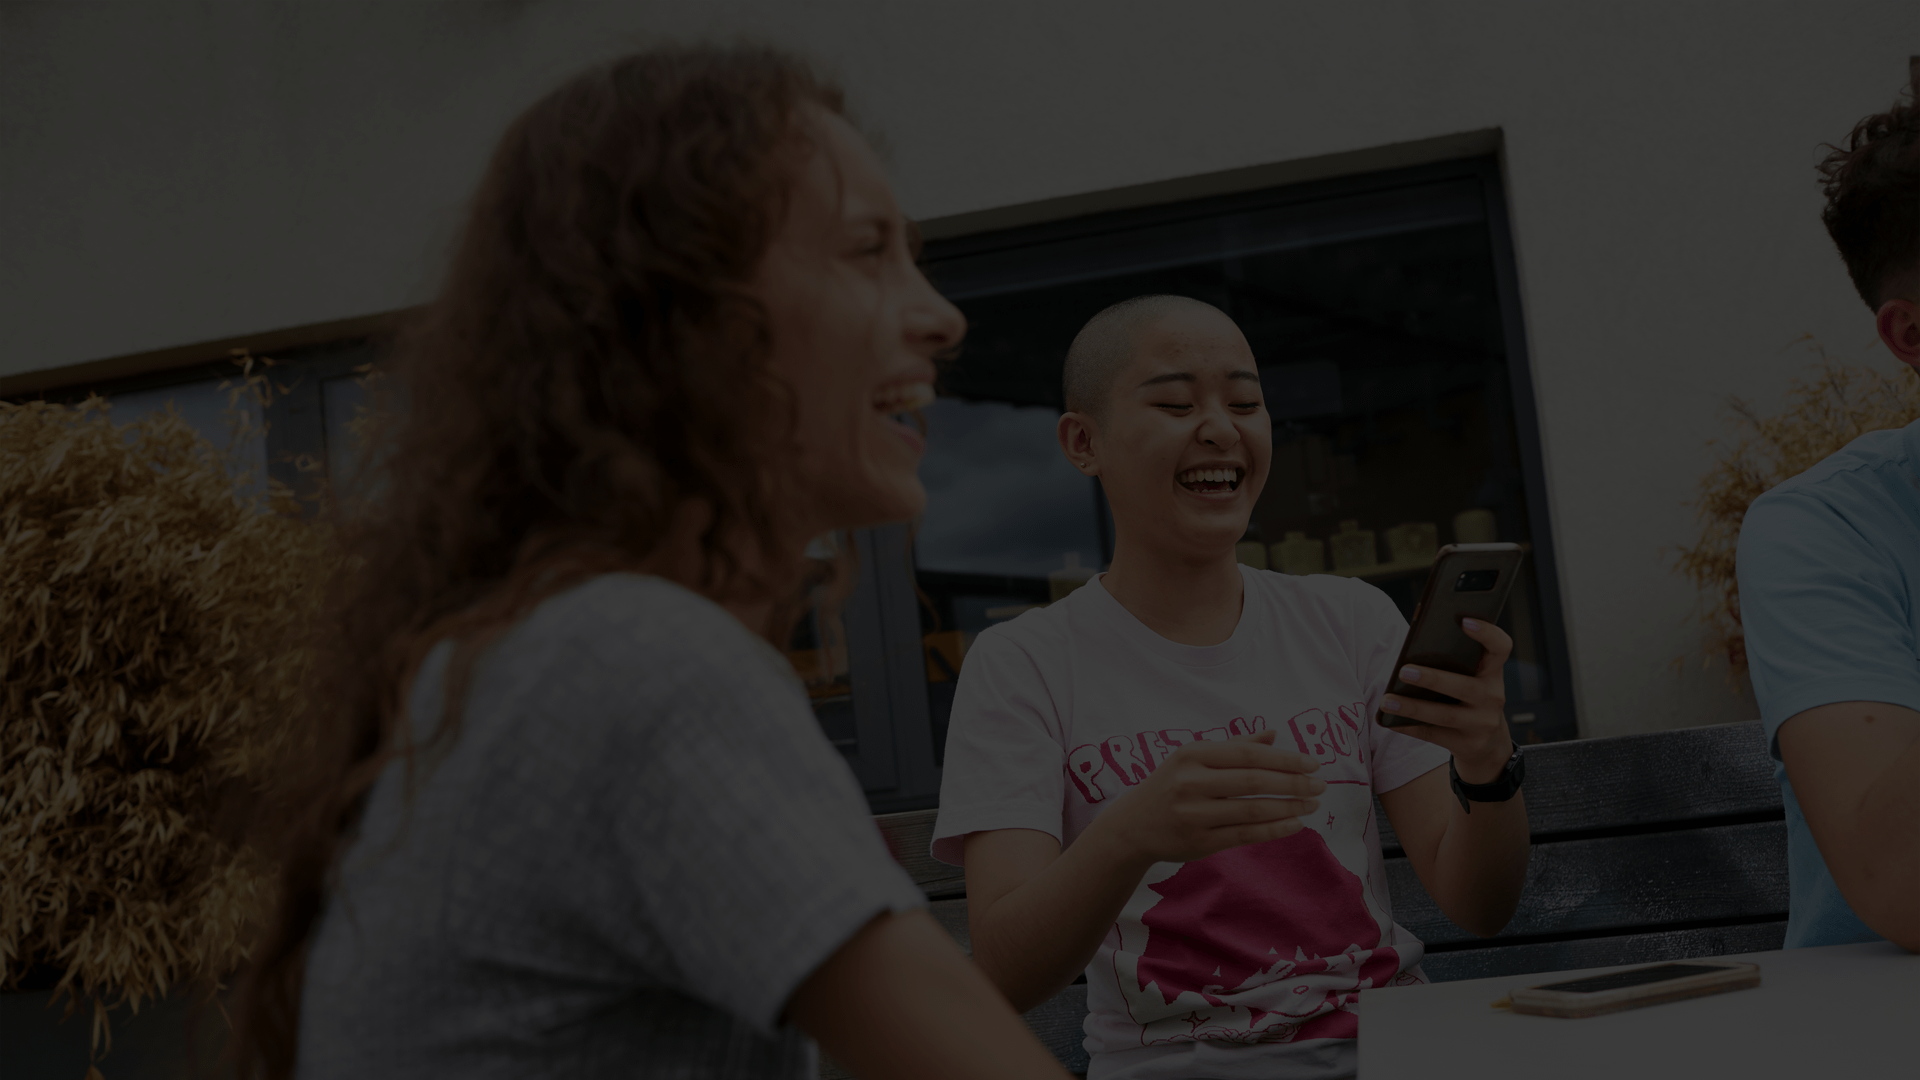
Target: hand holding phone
x,y
1449,685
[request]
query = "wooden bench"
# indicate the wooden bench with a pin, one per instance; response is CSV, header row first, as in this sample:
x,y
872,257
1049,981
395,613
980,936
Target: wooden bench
x,y
1664,846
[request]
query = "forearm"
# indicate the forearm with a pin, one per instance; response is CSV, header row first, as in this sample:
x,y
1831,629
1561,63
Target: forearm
x,y
1038,937
1481,863
899,1001
1887,883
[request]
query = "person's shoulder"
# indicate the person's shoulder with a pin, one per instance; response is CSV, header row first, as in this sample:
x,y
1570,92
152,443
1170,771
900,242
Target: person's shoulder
x,y
632,606
1331,596
1044,626
1866,496
1315,586
1039,631
649,633
1870,466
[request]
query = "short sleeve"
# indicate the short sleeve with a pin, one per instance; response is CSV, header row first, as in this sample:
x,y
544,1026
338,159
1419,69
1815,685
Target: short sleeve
x,y
1379,632
744,839
1004,768
1824,612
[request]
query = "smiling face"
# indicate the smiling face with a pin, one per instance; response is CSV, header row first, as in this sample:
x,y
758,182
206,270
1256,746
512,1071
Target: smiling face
x,y
1184,444
855,328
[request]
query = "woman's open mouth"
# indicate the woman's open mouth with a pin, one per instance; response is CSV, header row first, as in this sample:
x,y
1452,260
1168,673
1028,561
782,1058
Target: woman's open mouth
x,y
896,400
1210,481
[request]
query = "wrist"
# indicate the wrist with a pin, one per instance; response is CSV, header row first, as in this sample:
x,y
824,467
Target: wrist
x,y
1485,765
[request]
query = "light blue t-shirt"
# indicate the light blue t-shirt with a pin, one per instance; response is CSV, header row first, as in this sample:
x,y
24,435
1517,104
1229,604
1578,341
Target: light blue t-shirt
x,y
1829,569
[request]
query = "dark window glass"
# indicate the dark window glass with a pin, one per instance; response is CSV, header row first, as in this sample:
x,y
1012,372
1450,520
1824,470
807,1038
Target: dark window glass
x,y
210,407
1382,322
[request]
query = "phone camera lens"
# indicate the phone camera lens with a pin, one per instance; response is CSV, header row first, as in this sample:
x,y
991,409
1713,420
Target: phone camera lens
x,y
1476,581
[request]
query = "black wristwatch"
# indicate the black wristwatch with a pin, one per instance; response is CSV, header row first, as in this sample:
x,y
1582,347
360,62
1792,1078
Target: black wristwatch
x,y
1501,789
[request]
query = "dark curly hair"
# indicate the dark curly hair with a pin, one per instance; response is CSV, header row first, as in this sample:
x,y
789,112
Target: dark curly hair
x,y
1873,202
593,362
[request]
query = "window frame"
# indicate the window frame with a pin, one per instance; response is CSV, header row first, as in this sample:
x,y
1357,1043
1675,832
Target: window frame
x,y
295,423
1552,718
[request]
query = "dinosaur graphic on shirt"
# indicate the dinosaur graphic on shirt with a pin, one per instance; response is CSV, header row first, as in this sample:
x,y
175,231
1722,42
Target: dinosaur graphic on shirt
x,y
1268,942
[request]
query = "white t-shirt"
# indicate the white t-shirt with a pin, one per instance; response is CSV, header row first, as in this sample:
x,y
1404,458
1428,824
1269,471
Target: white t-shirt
x,y
1248,962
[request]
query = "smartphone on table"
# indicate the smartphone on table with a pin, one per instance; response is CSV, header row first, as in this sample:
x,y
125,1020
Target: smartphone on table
x,y
1630,989
1468,581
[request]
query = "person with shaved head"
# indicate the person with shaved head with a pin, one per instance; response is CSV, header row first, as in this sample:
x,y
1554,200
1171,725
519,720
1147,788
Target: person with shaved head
x,y
1166,779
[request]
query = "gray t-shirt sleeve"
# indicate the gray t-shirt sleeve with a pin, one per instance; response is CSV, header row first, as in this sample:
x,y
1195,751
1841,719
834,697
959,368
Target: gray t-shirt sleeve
x,y
742,853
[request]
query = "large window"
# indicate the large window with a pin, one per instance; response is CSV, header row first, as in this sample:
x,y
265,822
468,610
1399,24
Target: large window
x,y
1383,314
302,435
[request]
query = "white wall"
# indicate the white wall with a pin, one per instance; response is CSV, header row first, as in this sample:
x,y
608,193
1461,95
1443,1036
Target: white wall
x,y
173,173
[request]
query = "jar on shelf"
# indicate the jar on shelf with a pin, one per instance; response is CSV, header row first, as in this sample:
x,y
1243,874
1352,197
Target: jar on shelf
x,y
1295,554
1353,547
1476,526
1251,552
1413,542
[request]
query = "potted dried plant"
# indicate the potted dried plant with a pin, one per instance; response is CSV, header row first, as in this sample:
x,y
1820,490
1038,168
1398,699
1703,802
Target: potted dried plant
x,y
1834,405
148,610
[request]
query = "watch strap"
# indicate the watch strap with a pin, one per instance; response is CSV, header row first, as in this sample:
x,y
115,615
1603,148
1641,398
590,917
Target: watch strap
x,y
1500,789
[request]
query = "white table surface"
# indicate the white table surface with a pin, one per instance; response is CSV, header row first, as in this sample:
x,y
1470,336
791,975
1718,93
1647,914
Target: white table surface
x,y
1844,1011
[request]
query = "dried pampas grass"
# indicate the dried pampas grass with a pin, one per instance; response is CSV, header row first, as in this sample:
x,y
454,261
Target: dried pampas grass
x,y
149,660
1836,404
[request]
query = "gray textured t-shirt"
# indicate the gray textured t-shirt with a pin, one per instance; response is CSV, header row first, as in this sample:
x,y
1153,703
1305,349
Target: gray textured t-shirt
x,y
637,848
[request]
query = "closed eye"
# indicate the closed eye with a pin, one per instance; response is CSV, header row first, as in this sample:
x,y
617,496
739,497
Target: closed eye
x,y
1171,405
870,238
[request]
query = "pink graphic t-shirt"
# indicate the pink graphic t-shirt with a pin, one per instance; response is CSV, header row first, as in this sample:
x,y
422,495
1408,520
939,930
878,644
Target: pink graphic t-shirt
x,y
1249,962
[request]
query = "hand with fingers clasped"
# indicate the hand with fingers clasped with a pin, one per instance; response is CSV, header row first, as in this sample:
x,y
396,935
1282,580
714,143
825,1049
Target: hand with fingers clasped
x,y
1475,730
1210,796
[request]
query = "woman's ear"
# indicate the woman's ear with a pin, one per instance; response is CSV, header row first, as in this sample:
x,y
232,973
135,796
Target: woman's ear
x,y
1075,432
1899,325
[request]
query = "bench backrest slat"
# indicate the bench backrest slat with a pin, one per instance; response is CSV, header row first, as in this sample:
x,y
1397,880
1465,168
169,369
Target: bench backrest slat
x,y
1617,883
908,836
1656,947
1635,781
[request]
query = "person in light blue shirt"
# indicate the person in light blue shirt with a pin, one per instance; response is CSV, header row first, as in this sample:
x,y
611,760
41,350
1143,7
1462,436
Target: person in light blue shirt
x,y
1829,566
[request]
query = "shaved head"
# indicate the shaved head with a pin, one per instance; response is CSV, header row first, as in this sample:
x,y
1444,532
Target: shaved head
x,y
1103,347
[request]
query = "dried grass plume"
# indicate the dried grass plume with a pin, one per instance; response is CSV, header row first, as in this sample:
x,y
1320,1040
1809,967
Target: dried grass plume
x,y
1834,405
149,615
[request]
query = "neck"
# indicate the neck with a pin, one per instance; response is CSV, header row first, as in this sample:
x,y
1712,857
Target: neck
x,y
1185,598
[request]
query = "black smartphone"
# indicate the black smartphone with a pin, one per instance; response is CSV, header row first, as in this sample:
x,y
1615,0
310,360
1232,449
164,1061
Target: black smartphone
x,y
1468,581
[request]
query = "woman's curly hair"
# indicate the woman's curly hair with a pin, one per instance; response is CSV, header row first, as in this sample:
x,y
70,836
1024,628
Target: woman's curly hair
x,y
1872,185
593,361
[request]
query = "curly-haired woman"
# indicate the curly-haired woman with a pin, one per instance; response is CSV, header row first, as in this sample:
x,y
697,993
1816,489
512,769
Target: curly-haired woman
x,y
568,812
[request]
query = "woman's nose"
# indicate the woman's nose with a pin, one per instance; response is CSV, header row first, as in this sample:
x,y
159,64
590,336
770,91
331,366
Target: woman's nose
x,y
931,319
1216,429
